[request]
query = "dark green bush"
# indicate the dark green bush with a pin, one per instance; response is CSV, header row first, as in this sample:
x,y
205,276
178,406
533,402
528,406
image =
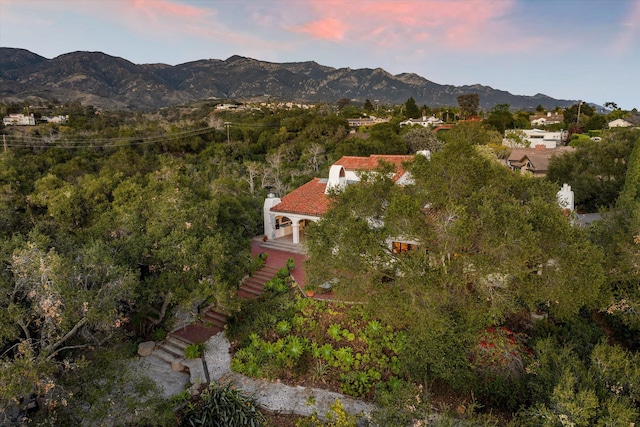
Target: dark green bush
x,y
221,405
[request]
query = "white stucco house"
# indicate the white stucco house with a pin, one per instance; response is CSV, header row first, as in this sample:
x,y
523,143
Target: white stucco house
x,y
19,120
366,121
620,123
287,216
424,121
55,119
534,137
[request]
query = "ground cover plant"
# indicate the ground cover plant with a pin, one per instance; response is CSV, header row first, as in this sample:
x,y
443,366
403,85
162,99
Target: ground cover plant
x,y
326,344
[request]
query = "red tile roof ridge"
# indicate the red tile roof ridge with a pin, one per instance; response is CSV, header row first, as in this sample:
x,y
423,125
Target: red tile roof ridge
x,y
308,199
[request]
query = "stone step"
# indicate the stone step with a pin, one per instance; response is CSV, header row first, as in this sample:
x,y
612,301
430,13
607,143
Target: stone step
x,y
167,356
283,246
198,373
172,348
178,341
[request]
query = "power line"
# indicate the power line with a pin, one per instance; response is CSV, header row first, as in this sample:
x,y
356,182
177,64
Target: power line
x,y
81,142
45,142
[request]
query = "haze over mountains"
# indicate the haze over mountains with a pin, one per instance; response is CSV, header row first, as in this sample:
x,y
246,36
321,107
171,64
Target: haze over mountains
x,y
109,82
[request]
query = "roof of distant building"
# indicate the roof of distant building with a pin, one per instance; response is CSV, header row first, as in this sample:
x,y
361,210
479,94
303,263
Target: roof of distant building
x,y
538,157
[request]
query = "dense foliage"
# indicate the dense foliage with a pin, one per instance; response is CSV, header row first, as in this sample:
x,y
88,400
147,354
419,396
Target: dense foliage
x,y
111,222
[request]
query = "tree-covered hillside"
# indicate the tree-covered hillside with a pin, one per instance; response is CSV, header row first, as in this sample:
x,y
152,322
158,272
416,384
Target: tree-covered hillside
x,y
112,222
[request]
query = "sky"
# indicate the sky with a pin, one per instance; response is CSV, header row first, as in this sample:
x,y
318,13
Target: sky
x,y
585,50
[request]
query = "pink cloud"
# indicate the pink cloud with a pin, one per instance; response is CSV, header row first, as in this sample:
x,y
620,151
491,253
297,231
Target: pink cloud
x,y
169,20
162,8
475,25
327,29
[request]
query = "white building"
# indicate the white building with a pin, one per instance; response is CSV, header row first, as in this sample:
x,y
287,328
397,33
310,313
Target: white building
x,y
534,137
366,121
55,119
19,120
620,123
423,121
288,216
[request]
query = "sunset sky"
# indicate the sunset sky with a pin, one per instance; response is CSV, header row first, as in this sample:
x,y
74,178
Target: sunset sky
x,y
583,50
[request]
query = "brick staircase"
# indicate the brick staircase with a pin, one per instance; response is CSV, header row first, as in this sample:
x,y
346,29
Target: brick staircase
x,y
212,321
253,286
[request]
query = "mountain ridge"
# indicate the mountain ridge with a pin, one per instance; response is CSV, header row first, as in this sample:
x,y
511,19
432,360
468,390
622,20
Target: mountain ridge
x,y
112,82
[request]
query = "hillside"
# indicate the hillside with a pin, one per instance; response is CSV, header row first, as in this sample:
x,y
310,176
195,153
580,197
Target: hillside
x,y
114,83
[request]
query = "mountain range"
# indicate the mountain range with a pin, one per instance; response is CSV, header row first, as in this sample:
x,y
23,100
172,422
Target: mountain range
x,y
109,82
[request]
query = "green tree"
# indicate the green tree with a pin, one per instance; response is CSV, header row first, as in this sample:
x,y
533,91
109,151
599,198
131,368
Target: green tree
x,y
465,276
469,104
500,118
421,138
53,309
342,103
411,109
596,171
368,106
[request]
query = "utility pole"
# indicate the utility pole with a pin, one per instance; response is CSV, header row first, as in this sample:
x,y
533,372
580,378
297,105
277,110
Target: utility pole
x,y
228,125
4,143
578,119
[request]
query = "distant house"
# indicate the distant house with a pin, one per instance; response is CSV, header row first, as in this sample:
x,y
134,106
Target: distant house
x,y
546,119
366,121
19,120
55,119
287,216
534,160
535,137
620,123
423,121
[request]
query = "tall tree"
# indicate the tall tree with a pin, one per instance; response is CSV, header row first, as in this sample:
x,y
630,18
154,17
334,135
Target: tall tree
x,y
421,138
500,118
465,275
469,104
596,171
411,109
368,106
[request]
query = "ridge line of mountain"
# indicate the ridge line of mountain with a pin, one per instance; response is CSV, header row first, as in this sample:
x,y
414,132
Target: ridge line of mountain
x,y
111,82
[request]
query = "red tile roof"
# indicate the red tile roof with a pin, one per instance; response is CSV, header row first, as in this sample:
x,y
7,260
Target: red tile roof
x,y
371,163
308,199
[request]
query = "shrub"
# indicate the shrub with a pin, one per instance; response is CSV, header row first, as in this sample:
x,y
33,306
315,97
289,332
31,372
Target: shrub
x,y
283,273
336,417
158,334
499,352
290,264
277,285
193,351
222,405
283,327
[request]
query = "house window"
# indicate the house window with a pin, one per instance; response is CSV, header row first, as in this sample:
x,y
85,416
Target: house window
x,y
403,247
